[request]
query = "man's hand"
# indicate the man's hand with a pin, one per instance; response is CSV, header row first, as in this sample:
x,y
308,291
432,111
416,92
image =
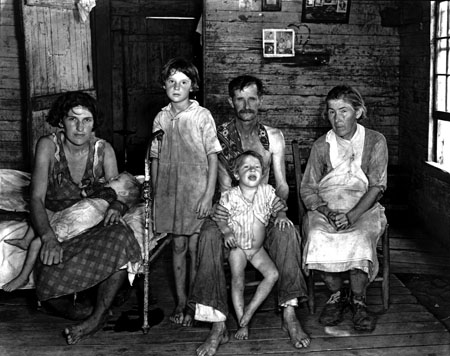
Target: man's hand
x,y
278,205
220,213
51,251
282,222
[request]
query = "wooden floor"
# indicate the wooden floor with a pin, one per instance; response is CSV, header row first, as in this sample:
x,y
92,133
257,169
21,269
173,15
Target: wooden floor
x,y
408,328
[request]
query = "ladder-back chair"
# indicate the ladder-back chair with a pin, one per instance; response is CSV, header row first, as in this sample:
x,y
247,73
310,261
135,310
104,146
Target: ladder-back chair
x,y
300,157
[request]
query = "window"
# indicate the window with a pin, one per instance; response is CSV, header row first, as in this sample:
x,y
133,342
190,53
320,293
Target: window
x,y
441,84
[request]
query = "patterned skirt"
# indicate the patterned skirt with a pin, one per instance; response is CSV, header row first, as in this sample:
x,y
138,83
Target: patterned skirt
x,y
88,259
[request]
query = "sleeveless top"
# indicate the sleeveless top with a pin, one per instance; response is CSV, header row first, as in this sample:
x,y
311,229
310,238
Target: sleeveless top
x,y
62,191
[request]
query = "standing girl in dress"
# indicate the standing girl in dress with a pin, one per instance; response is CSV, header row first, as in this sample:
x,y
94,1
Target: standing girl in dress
x,y
184,173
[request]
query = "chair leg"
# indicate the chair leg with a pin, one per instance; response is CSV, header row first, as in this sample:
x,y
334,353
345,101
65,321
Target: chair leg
x,y
311,304
386,269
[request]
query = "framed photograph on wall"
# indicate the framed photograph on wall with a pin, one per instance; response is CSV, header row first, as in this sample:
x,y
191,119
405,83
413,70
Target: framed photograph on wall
x,y
326,11
278,43
271,5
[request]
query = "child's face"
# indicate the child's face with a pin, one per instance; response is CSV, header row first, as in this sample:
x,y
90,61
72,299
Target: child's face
x,y
117,183
250,172
178,86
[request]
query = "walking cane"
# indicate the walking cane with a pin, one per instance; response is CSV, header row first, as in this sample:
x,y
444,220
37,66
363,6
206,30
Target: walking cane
x,y
149,232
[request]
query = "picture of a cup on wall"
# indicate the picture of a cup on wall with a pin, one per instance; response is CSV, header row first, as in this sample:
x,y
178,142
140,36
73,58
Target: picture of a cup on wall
x,y
278,42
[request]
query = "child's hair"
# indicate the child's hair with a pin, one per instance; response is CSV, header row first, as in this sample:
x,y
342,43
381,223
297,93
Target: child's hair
x,y
348,94
242,82
67,101
134,189
183,66
239,159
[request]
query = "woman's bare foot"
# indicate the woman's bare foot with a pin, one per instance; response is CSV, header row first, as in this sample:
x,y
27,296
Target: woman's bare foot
x,y
291,324
177,316
16,283
242,333
90,326
23,244
217,336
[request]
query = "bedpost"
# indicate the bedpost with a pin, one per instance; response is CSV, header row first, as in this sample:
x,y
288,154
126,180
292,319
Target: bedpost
x,y
149,230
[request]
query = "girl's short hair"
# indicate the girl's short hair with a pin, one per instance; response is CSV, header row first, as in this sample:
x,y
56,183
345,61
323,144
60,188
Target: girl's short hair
x,y
67,101
183,66
348,94
239,159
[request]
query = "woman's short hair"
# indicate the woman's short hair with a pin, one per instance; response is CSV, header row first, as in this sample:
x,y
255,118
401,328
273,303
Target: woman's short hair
x,y
239,159
67,101
183,66
348,94
242,82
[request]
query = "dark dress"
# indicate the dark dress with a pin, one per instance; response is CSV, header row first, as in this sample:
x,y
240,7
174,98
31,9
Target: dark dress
x,y
93,256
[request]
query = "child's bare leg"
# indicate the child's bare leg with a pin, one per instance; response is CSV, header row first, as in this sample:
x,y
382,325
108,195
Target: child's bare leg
x,y
25,241
238,261
22,278
179,249
192,245
263,263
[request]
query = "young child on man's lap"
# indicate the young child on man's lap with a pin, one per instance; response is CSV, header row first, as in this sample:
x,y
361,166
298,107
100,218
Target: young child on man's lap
x,y
250,208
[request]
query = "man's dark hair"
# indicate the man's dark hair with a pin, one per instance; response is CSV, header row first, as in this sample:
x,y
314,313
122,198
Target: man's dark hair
x,y
243,81
67,101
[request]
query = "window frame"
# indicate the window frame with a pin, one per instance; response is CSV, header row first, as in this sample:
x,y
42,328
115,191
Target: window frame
x,y
438,115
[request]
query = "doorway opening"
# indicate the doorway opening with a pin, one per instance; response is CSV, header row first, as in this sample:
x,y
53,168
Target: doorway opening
x,y
130,51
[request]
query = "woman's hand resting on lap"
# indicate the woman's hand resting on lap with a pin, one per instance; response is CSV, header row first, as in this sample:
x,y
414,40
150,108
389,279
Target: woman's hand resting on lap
x,y
51,251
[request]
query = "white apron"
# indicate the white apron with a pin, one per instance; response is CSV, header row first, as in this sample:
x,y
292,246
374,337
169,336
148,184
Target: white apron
x,y
327,249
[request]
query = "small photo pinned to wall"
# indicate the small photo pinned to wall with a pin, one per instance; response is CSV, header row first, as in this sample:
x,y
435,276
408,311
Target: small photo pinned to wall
x,y
278,43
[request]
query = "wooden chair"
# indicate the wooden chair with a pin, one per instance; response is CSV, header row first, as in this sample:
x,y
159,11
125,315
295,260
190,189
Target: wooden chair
x,y
300,155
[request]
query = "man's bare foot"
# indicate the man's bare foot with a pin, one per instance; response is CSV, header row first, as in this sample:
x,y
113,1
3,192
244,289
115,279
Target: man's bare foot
x,y
16,283
20,243
83,330
291,324
177,316
217,336
242,333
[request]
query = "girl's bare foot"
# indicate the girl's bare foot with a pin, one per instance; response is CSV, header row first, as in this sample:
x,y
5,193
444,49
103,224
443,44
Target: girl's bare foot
x,y
188,320
242,333
16,283
177,316
20,243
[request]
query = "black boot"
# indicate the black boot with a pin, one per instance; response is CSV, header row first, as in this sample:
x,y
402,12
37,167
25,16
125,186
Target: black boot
x,y
362,319
334,309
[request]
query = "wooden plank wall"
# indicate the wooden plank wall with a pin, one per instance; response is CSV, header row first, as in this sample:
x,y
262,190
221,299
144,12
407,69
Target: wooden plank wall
x,y
58,59
362,53
11,120
58,49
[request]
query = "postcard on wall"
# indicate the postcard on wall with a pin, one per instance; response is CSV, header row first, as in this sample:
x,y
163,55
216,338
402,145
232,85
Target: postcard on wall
x,y
326,11
278,42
